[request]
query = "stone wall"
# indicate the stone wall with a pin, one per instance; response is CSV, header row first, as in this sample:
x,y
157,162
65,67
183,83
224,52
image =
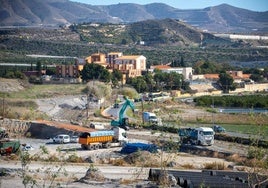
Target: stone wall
x,y
15,127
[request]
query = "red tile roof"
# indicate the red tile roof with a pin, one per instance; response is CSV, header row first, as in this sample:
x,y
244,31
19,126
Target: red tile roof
x,y
160,67
211,76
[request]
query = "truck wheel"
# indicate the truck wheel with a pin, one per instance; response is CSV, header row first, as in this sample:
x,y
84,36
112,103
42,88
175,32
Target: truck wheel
x,y
108,145
84,147
96,147
91,147
199,143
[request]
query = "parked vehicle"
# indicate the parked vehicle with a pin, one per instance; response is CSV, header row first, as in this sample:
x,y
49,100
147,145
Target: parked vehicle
x,y
62,138
97,125
202,136
103,139
74,139
151,118
198,136
218,129
27,148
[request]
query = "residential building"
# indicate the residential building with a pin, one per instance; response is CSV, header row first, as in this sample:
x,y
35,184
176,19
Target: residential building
x,y
98,58
67,71
111,58
70,71
131,66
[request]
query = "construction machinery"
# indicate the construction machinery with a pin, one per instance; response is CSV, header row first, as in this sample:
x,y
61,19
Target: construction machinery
x,y
123,122
7,146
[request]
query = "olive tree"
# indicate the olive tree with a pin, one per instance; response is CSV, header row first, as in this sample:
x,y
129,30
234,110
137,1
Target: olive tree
x,y
226,82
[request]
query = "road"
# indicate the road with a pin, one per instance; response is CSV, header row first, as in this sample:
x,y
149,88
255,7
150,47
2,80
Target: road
x,y
80,169
68,174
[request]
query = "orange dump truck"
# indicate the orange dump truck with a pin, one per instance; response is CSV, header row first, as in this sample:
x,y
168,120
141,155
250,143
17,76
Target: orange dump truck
x,y
102,139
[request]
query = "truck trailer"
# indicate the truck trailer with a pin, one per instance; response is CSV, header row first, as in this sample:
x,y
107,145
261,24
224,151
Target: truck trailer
x,y
103,139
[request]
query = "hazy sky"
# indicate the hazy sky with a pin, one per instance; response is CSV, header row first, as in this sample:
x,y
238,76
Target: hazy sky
x,y
256,5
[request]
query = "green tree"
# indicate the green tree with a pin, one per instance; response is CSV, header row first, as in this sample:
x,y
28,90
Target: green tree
x,y
50,71
182,63
256,77
138,83
226,82
92,71
149,79
124,41
39,67
116,77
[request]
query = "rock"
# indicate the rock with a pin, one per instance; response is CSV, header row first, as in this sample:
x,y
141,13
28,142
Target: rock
x,y
167,179
171,164
94,174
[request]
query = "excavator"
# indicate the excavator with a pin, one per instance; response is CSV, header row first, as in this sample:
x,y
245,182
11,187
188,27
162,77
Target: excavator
x,y
122,122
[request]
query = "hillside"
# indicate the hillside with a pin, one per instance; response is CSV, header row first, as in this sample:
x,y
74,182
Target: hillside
x,y
222,18
150,32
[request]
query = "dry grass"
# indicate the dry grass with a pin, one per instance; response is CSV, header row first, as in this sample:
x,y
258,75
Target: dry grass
x,y
236,158
118,162
215,166
188,166
127,181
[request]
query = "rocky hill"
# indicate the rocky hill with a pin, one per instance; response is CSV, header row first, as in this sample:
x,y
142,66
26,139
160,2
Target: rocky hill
x,y
149,32
222,18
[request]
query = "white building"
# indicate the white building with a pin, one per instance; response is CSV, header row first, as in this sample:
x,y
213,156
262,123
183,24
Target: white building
x,y
187,72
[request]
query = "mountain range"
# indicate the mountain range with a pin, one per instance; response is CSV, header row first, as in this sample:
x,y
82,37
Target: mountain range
x,y
221,18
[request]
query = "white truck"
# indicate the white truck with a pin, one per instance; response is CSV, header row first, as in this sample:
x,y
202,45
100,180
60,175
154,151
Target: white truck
x,y
198,136
151,118
202,136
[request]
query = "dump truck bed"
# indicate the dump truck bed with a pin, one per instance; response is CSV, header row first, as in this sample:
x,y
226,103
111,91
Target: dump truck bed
x,y
96,137
100,139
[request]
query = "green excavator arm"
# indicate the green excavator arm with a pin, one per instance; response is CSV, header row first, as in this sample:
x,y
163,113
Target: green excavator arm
x,y
122,121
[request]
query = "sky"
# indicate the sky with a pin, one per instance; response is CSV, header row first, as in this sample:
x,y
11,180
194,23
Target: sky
x,y
255,5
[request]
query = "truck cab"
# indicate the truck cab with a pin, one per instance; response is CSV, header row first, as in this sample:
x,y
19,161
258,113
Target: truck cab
x,y
151,118
120,134
202,136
